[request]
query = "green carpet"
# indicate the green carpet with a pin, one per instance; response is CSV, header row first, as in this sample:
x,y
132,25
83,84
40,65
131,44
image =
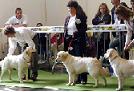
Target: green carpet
x,y
57,81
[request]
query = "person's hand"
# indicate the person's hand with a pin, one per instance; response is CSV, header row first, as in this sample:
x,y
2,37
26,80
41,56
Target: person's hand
x,y
128,46
70,48
125,48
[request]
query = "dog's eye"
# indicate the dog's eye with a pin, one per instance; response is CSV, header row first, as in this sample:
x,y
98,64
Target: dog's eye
x,y
59,56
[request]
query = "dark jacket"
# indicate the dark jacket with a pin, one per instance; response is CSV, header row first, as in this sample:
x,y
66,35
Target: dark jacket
x,y
106,19
113,21
79,37
112,13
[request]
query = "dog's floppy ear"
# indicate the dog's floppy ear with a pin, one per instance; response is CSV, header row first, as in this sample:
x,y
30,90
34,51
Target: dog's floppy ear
x,y
113,53
28,51
110,53
65,54
31,49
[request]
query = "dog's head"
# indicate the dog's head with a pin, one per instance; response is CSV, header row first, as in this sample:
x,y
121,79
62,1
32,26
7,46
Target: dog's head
x,y
111,53
28,51
62,56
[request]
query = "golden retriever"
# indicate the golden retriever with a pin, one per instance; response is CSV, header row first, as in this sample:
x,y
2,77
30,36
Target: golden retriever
x,y
19,62
77,65
122,67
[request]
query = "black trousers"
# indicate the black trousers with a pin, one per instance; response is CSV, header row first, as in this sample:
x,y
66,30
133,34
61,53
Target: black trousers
x,y
77,51
33,68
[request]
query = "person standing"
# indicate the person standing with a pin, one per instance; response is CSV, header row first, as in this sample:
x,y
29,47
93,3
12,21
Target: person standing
x,y
102,18
127,15
118,40
75,28
42,43
116,21
23,36
19,20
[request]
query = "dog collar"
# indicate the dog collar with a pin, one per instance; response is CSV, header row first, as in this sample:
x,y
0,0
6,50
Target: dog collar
x,y
25,59
114,58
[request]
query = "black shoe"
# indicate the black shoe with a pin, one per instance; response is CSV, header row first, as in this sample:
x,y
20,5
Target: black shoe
x,y
34,78
78,82
24,77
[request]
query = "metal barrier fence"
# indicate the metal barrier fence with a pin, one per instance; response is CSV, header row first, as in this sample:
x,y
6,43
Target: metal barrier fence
x,y
48,30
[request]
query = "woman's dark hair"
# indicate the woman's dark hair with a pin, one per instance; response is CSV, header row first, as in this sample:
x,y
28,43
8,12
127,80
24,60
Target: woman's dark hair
x,y
106,12
9,30
131,0
79,10
124,11
124,4
72,3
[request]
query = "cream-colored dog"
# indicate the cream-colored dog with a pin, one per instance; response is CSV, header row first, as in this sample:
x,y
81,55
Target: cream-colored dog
x,y
77,65
122,67
19,62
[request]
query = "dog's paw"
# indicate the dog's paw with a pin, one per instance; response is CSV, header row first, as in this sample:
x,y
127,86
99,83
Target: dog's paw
x,y
68,84
118,89
27,79
21,81
72,84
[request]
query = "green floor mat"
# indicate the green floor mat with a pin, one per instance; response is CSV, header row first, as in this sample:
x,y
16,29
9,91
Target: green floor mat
x,y
57,81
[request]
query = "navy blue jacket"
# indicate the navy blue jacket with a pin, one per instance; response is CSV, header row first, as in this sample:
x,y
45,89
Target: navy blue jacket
x,y
106,19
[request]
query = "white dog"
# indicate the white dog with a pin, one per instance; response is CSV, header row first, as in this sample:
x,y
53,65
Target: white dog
x,y
19,62
122,67
77,65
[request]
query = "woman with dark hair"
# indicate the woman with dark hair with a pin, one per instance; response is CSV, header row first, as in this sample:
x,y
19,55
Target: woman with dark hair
x,y
127,14
101,18
75,33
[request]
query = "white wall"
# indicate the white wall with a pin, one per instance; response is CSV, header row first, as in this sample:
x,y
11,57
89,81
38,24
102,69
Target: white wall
x,y
33,8
49,12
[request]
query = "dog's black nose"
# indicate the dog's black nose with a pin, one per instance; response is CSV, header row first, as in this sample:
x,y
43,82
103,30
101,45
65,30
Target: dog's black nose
x,y
55,62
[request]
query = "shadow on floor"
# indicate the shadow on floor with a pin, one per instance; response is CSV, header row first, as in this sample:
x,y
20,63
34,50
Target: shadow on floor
x,y
8,88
